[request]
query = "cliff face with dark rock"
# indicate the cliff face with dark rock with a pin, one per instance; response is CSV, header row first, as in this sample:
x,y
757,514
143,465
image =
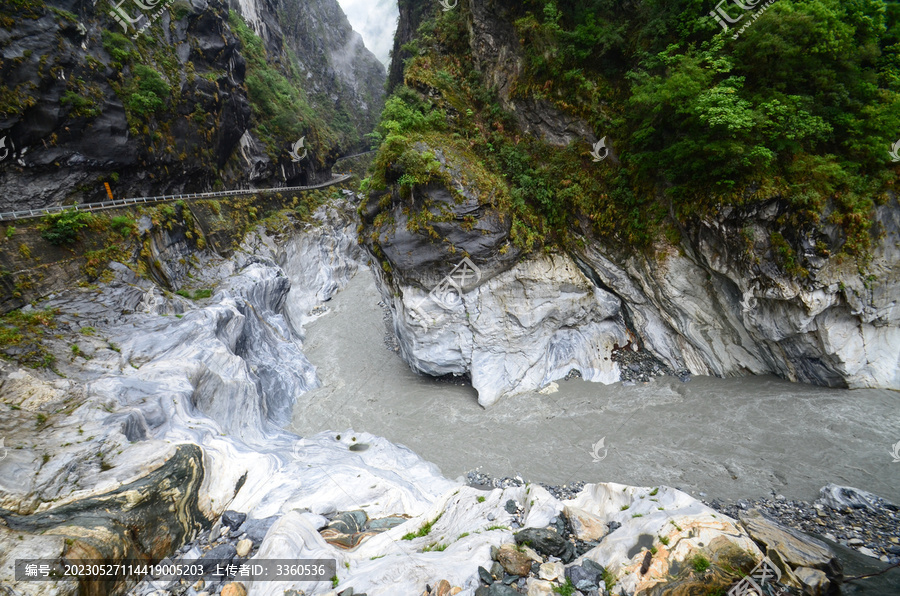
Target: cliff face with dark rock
x,y
412,12
208,96
341,76
761,285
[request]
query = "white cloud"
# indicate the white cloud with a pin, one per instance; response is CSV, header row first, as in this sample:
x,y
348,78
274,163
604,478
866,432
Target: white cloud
x,y
376,21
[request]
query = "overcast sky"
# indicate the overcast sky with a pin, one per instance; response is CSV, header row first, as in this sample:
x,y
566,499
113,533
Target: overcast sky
x,y
376,21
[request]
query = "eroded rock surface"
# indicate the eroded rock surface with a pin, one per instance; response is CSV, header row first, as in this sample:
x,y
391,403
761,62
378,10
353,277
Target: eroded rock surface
x,y
519,331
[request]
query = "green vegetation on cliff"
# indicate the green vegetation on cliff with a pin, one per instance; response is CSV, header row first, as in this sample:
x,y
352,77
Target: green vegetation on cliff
x,y
801,108
282,108
22,333
281,111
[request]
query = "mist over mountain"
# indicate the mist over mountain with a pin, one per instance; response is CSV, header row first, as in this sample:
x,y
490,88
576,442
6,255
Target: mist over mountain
x,y
376,22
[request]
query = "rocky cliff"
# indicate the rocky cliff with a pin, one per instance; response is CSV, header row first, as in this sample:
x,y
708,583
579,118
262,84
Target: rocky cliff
x,y
189,97
412,14
499,165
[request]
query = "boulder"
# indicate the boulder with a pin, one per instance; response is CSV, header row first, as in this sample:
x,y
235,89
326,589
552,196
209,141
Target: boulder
x,y
791,550
539,587
584,577
794,548
442,589
547,542
256,528
233,519
222,554
586,526
514,561
552,571
244,547
485,576
814,581
841,498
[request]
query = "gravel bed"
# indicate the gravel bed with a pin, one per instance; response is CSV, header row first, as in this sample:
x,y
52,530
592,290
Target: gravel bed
x,y
873,531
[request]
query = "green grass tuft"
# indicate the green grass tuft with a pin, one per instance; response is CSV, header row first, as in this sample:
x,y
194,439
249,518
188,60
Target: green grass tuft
x,y
423,531
700,563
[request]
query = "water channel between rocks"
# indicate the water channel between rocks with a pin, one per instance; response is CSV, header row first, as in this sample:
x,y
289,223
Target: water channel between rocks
x,y
727,438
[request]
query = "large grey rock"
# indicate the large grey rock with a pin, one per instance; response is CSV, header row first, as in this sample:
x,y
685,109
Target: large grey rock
x,y
222,554
233,519
132,518
582,577
841,498
496,589
546,542
814,581
516,332
701,308
791,546
414,255
256,528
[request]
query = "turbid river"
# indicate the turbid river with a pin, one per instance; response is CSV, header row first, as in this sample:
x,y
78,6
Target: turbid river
x,y
726,438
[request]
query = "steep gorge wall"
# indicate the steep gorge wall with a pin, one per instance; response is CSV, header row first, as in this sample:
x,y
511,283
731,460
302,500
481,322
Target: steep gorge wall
x,y
702,306
716,301
193,103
